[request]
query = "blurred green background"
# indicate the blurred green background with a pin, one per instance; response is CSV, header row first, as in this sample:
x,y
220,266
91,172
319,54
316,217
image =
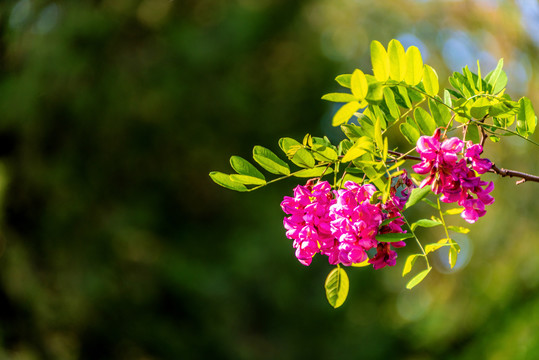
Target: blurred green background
x,y
117,245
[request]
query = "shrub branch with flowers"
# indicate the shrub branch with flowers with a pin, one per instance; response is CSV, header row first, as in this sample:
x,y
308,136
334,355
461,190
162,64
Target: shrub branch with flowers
x,y
358,218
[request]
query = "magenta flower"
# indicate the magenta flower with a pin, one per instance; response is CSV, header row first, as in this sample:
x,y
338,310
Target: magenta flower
x,y
453,177
354,222
473,153
309,224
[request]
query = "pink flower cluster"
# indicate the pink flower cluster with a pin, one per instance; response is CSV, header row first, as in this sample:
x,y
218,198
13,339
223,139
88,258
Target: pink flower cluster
x,y
455,178
343,224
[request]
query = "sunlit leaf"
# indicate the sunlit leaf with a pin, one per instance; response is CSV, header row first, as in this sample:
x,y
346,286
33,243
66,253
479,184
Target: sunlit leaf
x,y
312,173
458,229
410,261
359,84
339,97
440,113
425,121
425,223
303,158
391,104
418,278
414,66
397,60
416,196
269,161
225,181
244,167
247,180
454,211
344,80
362,264
430,80
435,246
360,147
409,132
290,146
337,285
526,119
345,113
380,61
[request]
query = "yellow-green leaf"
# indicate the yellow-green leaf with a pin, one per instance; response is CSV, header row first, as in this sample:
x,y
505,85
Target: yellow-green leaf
x,y
314,172
418,278
430,80
360,147
380,61
410,261
345,113
414,66
359,84
225,181
337,285
247,180
269,161
339,97
397,60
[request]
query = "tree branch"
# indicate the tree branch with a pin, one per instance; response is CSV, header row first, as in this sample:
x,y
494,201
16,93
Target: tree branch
x,y
496,170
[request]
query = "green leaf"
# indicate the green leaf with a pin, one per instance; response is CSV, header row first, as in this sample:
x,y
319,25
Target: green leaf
x,y
289,146
447,98
339,97
403,94
433,247
480,108
430,80
458,229
440,113
418,278
244,167
410,261
345,113
380,61
337,285
344,80
409,132
505,109
493,76
378,134
453,253
303,158
324,153
360,147
269,161
375,94
526,119
425,121
473,133
359,84
247,180
425,223
391,104
416,196
501,83
397,60
454,211
375,177
362,264
352,131
393,237
225,181
414,67
314,172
